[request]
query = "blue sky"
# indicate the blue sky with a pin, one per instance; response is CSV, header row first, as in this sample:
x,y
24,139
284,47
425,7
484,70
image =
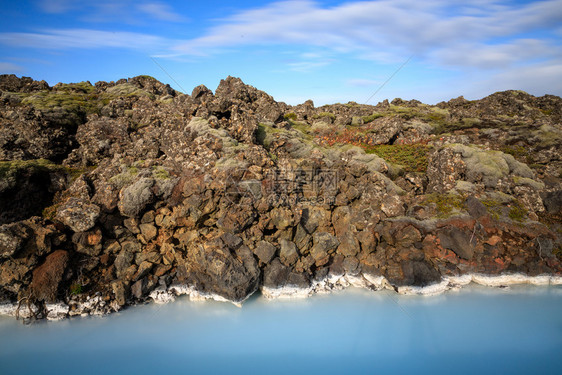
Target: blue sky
x,y
328,51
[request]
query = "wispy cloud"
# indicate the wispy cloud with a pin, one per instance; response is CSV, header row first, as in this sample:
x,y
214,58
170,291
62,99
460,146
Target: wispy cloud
x,y
540,79
362,82
161,11
108,10
497,55
309,61
306,66
505,43
453,33
6,67
56,6
82,39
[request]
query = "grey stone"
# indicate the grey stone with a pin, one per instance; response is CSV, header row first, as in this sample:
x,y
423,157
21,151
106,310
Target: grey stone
x,y
11,240
134,198
138,289
458,241
420,273
120,292
553,201
143,270
475,208
288,252
212,268
123,260
78,214
265,251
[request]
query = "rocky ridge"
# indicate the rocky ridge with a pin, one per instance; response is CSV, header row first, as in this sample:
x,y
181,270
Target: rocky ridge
x,y
118,193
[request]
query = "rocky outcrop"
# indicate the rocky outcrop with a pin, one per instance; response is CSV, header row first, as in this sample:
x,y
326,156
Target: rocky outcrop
x,y
121,192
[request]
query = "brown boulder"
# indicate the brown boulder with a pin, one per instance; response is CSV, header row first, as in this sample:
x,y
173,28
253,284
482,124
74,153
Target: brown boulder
x,y
48,276
349,245
324,246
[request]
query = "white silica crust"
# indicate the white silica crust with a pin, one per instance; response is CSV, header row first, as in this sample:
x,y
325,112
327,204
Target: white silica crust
x,y
372,282
8,309
161,295
327,285
96,305
286,292
455,282
57,311
429,290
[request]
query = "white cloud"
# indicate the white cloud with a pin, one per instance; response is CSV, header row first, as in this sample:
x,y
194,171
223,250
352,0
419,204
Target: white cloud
x,y
81,38
362,82
483,34
389,30
6,67
306,66
536,79
56,6
160,11
112,10
496,56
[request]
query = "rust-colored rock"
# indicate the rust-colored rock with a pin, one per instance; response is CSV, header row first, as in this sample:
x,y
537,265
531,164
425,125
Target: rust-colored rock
x,y
47,277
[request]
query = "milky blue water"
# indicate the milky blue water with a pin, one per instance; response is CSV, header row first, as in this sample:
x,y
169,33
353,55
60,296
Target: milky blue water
x,y
477,330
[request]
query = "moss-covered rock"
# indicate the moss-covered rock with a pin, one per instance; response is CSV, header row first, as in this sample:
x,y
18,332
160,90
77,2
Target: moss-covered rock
x,y
489,167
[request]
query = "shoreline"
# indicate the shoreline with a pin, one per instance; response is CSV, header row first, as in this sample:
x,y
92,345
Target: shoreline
x,y
376,283
96,307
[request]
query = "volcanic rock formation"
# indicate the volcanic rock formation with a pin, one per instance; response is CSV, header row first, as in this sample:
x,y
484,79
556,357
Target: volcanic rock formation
x,y
112,191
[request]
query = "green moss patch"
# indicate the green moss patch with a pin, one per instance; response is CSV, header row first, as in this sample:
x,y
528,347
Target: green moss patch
x,y
371,118
324,114
412,157
79,97
517,212
493,207
446,204
160,173
10,168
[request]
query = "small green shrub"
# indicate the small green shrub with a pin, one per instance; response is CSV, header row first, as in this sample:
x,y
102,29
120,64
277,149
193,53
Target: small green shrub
x,y
272,156
75,288
290,116
261,134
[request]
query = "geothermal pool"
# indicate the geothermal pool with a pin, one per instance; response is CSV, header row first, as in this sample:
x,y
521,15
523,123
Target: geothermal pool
x,y
478,329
